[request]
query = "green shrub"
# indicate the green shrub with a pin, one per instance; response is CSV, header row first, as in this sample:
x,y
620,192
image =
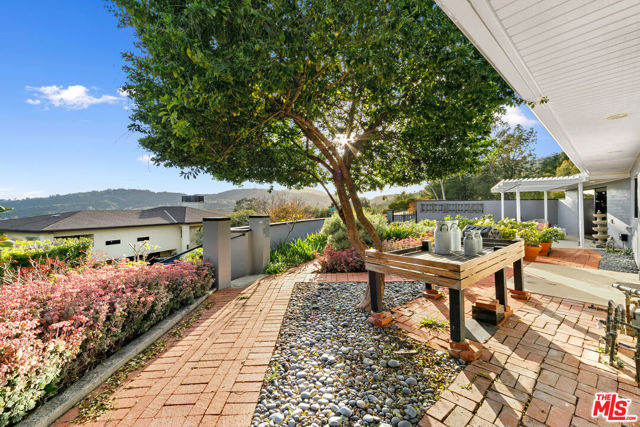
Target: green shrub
x,y
531,236
336,232
241,218
24,253
551,234
295,253
404,230
194,256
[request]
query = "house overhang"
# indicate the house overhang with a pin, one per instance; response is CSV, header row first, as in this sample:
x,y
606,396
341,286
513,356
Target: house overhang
x,y
584,57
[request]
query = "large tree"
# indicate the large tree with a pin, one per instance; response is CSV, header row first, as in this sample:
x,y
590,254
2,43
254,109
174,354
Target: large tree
x,y
351,95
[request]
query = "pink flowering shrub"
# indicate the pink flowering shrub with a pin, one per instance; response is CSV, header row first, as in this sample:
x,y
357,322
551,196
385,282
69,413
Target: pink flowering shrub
x,y
52,330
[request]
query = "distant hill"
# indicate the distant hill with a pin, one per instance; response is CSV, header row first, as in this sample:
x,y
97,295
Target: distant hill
x,y
143,199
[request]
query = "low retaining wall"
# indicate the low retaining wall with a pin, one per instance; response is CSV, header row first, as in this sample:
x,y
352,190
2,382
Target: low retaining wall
x,y
283,232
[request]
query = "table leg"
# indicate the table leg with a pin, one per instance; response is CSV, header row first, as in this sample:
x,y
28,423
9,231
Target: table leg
x,y
375,289
501,287
456,315
518,275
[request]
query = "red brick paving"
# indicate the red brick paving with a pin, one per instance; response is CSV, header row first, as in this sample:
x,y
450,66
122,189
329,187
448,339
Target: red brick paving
x,y
541,368
584,258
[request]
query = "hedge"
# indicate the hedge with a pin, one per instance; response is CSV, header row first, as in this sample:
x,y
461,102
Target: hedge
x,y
24,253
52,331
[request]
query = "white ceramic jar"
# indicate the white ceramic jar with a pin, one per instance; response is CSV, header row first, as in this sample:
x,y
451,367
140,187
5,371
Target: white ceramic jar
x,y
442,238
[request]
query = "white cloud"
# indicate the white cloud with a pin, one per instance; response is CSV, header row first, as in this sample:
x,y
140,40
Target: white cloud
x,y
514,116
75,97
13,193
146,159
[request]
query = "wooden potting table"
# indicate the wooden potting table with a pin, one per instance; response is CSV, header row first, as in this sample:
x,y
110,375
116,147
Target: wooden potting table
x,y
454,271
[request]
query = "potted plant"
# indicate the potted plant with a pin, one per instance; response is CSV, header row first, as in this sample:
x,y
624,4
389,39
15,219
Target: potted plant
x,y
531,238
547,237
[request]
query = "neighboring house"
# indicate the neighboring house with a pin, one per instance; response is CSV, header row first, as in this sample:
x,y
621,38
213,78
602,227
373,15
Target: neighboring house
x,y
115,233
578,57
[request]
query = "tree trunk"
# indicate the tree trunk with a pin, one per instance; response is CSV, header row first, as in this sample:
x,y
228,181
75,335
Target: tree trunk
x,y
444,197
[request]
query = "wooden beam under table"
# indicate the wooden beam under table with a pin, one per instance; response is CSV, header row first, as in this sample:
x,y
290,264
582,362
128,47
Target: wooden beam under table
x,y
375,290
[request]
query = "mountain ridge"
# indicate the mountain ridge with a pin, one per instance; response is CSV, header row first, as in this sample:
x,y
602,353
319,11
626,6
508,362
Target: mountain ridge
x,y
121,198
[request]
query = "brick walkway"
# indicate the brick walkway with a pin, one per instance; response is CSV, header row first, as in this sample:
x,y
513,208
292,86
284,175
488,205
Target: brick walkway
x,y
213,375
585,258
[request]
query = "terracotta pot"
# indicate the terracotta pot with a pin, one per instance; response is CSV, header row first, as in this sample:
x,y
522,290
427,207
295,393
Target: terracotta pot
x,y
531,252
544,248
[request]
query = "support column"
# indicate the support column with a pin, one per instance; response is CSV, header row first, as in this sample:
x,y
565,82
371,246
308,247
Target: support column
x,y
546,207
456,315
260,241
518,205
581,214
377,317
185,237
502,205
216,248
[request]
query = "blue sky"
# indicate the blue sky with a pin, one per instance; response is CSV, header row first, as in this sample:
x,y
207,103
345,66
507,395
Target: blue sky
x,y
63,123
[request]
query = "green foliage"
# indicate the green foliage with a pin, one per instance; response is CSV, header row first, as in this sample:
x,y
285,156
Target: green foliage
x,y
567,168
403,230
295,253
433,323
73,251
241,218
358,94
551,234
321,212
4,240
531,236
195,256
336,232
401,202
249,203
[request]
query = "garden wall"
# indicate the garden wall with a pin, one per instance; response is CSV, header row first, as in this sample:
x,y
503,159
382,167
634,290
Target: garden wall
x,y
530,209
284,232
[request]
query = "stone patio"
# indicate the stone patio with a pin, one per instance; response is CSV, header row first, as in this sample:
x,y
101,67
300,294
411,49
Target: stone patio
x,y
541,368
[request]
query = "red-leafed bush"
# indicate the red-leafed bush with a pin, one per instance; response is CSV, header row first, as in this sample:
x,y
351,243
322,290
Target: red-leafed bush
x,y
344,261
395,244
52,330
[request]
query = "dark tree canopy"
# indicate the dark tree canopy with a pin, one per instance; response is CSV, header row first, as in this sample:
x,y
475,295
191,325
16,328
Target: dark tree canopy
x,y
220,84
358,94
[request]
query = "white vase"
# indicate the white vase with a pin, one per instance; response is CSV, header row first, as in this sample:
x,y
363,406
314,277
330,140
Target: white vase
x,y
442,238
478,241
469,244
456,245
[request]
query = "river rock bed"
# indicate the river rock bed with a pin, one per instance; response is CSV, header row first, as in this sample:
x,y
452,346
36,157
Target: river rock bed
x,y
330,367
618,261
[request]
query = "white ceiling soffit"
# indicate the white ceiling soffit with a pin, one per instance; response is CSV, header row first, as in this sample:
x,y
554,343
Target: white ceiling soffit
x,y
583,55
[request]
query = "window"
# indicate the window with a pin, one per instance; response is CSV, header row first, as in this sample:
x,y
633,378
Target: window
x,y
112,242
143,239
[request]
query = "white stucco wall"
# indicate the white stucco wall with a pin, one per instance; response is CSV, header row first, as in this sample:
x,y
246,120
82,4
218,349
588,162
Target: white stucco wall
x,y
568,212
161,238
620,211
